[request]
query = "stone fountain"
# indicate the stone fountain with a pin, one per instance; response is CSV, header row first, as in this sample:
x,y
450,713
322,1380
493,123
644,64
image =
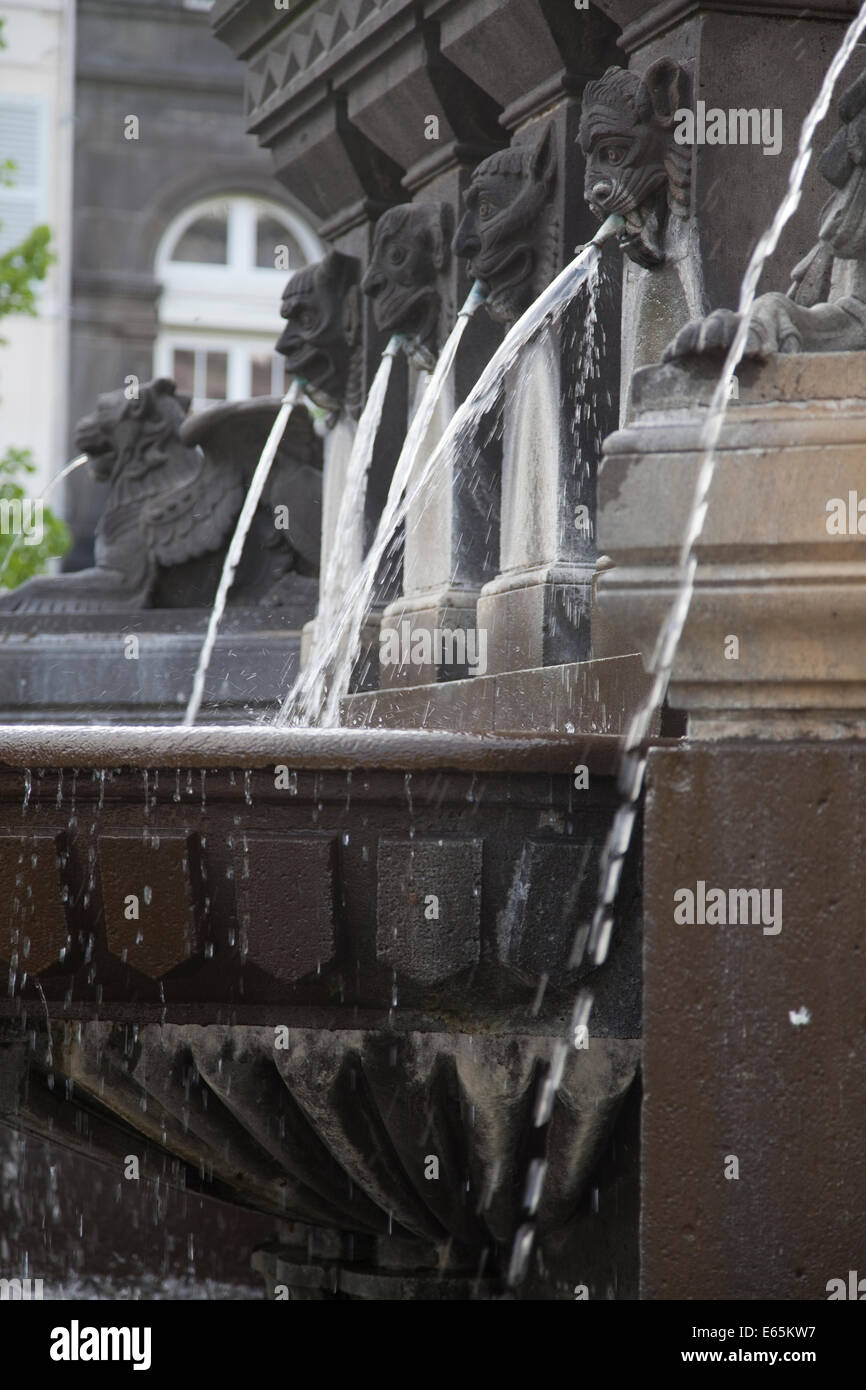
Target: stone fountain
x,y
327,971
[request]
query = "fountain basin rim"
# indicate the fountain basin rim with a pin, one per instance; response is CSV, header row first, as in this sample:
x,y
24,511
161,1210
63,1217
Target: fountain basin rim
x,y
216,746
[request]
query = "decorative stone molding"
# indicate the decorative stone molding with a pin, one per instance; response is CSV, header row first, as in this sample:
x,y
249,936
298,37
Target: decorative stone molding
x,y
778,572
373,917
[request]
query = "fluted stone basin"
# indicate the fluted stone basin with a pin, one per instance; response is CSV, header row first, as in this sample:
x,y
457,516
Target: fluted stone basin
x,y
304,963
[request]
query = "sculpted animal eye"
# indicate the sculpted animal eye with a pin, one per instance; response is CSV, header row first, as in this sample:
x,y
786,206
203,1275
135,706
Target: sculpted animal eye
x,y
486,208
304,318
612,154
396,255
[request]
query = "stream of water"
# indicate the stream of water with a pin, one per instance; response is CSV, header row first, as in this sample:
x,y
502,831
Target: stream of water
x,y
236,548
408,483
346,549
315,696
77,462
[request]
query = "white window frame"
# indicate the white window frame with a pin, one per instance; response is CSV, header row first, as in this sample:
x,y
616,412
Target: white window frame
x,y
231,307
36,193
239,368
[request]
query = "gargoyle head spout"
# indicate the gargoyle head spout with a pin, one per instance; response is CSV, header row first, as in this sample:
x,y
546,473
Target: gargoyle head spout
x,y
320,306
633,165
131,431
500,233
410,250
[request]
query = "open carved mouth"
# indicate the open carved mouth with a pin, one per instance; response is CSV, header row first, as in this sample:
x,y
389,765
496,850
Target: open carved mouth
x,y
90,440
304,359
506,274
397,312
639,238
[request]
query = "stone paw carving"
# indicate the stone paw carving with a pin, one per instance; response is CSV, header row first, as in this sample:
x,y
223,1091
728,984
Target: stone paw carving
x,y
778,324
825,307
772,329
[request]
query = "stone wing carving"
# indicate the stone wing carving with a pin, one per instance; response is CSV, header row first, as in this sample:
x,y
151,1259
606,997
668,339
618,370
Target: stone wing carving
x,y
196,515
232,437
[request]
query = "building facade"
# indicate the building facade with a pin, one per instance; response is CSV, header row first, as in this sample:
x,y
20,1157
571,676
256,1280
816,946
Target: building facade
x,y
182,237
36,133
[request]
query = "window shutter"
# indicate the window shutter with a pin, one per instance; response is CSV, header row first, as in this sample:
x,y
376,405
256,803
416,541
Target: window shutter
x,y
21,203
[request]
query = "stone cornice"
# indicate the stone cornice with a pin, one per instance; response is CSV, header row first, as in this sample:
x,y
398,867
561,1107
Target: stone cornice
x,y
321,44
143,10
245,26
186,80
640,24
114,283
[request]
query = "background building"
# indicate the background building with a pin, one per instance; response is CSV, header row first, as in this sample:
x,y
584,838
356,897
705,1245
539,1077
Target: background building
x,y
173,238
36,131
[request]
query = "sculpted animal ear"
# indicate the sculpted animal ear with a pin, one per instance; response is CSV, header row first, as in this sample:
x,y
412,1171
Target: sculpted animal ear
x,y
167,386
142,404
542,165
665,91
442,232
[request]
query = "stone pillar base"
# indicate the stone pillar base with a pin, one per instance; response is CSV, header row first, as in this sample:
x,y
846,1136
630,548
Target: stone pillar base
x,y
773,641
440,624
592,697
536,617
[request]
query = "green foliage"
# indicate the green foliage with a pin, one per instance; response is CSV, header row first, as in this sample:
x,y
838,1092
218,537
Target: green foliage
x,y
17,560
20,268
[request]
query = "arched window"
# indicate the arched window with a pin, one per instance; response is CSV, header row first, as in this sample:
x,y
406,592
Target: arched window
x,y
222,265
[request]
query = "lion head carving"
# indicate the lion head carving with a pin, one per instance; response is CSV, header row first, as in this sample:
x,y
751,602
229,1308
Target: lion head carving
x,y
411,248
499,234
323,330
633,165
129,433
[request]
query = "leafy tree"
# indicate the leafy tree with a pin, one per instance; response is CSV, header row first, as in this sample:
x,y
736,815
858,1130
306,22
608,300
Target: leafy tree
x,y
19,560
21,267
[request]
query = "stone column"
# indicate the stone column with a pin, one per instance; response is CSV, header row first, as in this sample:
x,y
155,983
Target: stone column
x,y
754,882
535,611
438,123
299,78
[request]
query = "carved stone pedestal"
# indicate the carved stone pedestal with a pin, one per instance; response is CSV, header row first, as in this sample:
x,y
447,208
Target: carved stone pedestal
x,y
773,644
